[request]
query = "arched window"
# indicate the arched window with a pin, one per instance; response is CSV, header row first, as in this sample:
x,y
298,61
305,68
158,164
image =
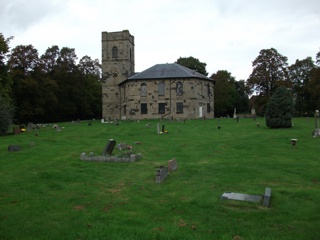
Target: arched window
x,y
143,90
179,88
114,52
161,89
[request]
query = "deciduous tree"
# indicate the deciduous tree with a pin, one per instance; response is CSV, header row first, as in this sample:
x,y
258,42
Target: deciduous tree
x,y
300,73
224,93
194,64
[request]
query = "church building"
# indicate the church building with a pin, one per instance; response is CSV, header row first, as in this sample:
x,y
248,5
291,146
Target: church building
x,y
162,91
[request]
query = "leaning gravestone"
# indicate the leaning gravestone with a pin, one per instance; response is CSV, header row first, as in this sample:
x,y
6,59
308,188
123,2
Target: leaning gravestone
x,y
109,147
161,174
14,148
172,165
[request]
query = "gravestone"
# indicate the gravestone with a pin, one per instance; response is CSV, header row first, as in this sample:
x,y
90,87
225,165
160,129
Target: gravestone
x,y
109,147
14,148
265,198
316,132
240,197
161,174
172,165
158,128
121,146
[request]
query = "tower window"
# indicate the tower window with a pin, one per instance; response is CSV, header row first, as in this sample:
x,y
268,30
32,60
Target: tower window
x,y
114,52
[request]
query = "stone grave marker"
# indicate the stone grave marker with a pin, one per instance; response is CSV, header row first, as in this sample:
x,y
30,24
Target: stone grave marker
x,y
109,147
158,128
265,198
241,197
161,174
14,148
172,165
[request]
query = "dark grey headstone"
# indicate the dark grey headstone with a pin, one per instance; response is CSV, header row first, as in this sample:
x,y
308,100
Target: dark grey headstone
x,y
266,197
161,174
14,148
109,147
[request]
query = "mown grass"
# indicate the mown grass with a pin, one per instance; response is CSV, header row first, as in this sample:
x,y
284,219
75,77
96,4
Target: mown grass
x,y
47,192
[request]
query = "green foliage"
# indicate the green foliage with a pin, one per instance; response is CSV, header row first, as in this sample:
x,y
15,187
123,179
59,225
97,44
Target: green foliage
x,y
53,87
224,93
47,192
6,115
5,81
269,72
194,64
300,74
313,89
279,109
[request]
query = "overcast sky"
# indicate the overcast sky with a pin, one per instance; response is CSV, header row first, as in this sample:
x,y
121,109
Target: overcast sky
x,y
225,34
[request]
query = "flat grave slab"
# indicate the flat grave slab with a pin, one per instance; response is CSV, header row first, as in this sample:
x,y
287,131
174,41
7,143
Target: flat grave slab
x,y
241,197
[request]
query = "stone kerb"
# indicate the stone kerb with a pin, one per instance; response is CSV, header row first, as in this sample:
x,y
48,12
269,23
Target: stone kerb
x,y
172,165
101,158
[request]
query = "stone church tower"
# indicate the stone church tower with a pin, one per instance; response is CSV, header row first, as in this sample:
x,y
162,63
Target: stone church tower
x,y
117,66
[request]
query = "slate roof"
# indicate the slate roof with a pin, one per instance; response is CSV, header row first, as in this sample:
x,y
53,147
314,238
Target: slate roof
x,y
165,71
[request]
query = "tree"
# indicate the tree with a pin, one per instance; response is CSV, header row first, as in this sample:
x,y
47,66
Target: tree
x,y
224,94
318,59
313,89
300,73
24,65
269,72
5,81
242,96
194,64
6,115
279,109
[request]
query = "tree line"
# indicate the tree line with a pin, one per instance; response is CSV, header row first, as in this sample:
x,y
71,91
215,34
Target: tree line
x,y
270,70
51,87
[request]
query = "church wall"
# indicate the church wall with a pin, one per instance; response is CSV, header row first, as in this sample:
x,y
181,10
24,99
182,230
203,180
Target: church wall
x,y
195,94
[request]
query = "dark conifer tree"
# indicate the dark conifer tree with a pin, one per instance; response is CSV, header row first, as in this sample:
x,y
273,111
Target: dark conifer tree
x,y
279,109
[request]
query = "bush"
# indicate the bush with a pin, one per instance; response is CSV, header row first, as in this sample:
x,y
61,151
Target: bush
x,y
6,114
279,109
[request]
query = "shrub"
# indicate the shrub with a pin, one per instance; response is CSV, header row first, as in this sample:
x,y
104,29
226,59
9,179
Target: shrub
x,y
279,109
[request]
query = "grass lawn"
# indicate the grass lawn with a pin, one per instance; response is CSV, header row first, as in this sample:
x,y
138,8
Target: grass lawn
x,y
47,192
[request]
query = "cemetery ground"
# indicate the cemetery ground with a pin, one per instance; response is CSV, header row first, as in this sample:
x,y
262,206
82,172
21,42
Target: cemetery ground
x,y
47,192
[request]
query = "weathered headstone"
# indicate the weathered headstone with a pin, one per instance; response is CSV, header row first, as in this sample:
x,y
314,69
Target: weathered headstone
x,y
16,130
172,165
316,132
109,147
240,197
83,156
266,197
161,174
14,148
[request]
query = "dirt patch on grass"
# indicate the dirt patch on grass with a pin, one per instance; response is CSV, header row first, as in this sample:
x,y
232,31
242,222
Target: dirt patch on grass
x,y
79,207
